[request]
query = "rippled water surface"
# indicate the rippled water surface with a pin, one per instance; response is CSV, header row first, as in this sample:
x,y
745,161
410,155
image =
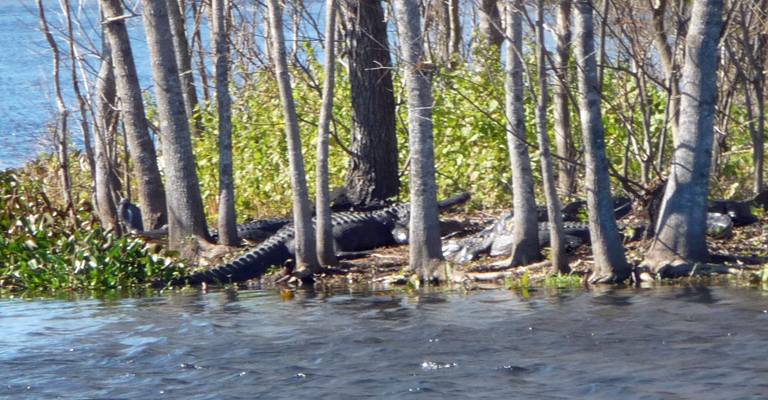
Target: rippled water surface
x,y
692,343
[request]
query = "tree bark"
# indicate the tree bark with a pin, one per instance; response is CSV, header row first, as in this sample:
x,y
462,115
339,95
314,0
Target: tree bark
x,y
227,216
525,248
325,251
424,233
150,184
610,262
373,164
60,130
681,227
555,216
104,130
185,205
306,255
184,61
667,57
566,175
490,23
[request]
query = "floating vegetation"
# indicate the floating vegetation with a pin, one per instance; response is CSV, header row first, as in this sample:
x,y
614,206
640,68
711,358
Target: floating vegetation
x,y
43,247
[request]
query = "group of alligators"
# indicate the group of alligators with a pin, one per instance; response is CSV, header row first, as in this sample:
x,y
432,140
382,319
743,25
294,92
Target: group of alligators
x,y
361,231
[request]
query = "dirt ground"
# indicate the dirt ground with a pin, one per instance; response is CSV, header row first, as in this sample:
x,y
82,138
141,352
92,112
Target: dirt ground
x,y
389,265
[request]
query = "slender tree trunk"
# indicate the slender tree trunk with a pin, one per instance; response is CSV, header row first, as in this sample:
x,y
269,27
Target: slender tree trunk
x,y
681,227
490,23
602,40
525,248
227,216
555,216
424,234
186,216
373,166
142,150
455,26
184,62
60,131
667,57
81,102
106,96
566,175
306,255
325,251
610,262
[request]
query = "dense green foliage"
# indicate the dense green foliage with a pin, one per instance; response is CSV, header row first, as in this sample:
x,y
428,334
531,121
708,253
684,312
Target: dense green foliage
x,y
42,248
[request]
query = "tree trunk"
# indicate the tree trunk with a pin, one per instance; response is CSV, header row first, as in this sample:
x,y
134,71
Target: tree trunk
x,y
60,130
681,228
610,263
227,216
373,165
424,233
667,57
150,184
490,23
566,175
325,251
185,205
602,40
555,216
525,248
306,256
106,97
183,60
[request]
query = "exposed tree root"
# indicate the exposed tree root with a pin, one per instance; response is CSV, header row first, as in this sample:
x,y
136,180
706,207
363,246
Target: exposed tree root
x,y
651,270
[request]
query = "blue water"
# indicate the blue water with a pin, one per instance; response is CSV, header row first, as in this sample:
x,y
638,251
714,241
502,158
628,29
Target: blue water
x,y
664,343
27,104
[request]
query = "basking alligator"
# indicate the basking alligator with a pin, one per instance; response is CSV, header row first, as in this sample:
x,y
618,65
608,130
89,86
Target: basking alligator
x,y
352,231
253,231
497,239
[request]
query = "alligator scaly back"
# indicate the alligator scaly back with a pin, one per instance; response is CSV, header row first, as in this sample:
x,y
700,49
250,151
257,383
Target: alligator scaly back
x,y
275,251
352,231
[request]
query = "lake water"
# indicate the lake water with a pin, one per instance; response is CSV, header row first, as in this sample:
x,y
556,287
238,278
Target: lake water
x,y
27,106
664,343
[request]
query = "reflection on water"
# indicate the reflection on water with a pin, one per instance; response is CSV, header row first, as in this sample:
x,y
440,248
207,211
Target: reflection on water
x,y
691,342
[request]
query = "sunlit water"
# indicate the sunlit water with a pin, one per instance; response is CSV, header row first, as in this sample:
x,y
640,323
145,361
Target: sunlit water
x,y
681,343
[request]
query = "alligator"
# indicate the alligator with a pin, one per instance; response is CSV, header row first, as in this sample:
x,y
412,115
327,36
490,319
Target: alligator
x,y
497,240
255,231
352,232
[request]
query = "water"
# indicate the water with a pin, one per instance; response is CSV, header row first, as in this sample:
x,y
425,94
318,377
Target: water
x,y
702,343
27,105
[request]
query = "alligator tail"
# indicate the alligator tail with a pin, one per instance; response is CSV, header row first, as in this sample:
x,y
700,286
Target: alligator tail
x,y
454,201
275,251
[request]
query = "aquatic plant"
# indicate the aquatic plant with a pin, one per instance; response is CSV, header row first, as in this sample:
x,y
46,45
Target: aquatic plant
x,y
42,248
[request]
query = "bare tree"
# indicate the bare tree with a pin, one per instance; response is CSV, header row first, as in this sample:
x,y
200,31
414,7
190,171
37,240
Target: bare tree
x,y
325,250
142,150
306,256
566,175
752,37
183,60
555,216
424,235
227,215
60,129
186,216
104,130
681,226
526,248
373,164
610,262
667,57
490,23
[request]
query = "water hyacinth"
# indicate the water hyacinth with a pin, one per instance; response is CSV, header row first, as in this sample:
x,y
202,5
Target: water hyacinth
x,y
42,248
